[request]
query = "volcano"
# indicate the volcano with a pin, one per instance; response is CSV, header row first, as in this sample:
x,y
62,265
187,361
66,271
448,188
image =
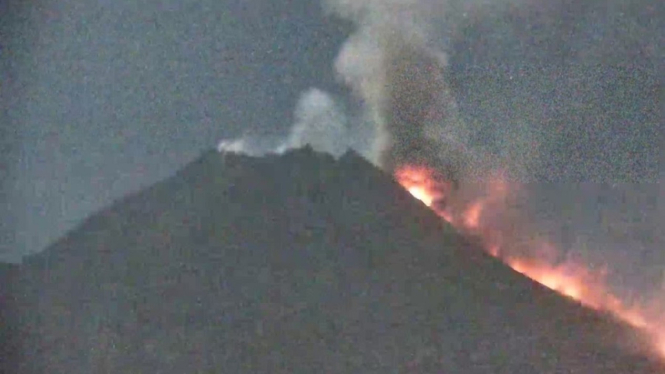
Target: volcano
x,y
295,263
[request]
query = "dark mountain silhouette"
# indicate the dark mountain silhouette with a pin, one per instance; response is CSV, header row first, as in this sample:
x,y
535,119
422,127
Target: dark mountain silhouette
x,y
297,263
8,343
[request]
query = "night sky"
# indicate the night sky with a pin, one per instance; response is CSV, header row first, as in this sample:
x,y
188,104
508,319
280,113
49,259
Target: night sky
x,y
102,98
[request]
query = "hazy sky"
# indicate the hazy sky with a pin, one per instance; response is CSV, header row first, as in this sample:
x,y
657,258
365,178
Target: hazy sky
x,y
102,98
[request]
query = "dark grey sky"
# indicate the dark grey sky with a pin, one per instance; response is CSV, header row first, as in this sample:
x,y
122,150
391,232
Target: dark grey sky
x,y
100,99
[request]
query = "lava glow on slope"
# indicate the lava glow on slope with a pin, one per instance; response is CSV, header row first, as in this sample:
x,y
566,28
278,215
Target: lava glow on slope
x,y
420,183
569,278
423,184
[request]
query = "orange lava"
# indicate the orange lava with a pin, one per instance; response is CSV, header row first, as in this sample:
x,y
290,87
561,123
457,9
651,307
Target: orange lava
x,y
568,278
419,181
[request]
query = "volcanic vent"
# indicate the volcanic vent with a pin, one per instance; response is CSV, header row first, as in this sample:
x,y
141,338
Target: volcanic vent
x,y
297,263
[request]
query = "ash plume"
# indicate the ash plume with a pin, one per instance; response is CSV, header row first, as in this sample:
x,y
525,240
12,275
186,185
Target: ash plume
x,y
395,68
395,65
418,106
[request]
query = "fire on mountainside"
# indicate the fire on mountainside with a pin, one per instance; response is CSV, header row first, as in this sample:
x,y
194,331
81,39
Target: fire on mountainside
x,y
569,278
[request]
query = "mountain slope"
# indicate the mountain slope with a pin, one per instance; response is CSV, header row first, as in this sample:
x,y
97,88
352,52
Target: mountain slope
x,y
293,264
8,344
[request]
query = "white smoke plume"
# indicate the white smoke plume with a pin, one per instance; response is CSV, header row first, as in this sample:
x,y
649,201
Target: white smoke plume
x,y
319,123
233,145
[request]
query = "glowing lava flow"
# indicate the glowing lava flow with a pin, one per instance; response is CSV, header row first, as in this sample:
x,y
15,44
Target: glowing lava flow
x,y
420,183
569,279
423,185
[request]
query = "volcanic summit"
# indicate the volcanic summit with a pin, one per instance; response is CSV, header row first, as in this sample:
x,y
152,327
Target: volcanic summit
x,y
295,263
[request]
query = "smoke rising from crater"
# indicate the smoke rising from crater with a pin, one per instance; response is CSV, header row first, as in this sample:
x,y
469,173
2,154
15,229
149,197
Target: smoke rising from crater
x,y
319,123
395,65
